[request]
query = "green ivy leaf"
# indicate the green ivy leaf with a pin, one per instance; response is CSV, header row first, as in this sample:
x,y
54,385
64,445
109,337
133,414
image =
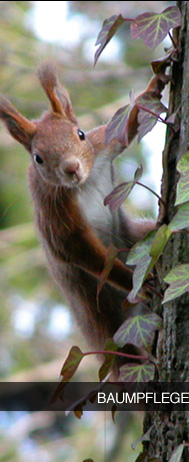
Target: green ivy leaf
x,y
71,364
138,330
162,236
181,219
178,278
147,120
152,28
183,183
137,372
139,255
121,192
109,28
177,453
109,359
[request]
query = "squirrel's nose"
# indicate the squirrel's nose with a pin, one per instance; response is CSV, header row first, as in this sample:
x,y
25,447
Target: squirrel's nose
x,y
72,166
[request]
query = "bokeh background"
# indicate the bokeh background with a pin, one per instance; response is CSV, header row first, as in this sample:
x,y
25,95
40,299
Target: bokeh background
x,y
36,330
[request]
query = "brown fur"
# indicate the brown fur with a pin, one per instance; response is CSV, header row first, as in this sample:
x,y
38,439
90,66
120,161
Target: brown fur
x,y
68,191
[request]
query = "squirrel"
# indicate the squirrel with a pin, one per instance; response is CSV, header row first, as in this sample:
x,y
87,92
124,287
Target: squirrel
x,y
70,174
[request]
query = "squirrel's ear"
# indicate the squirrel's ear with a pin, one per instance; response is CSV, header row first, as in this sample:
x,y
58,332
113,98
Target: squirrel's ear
x,y
58,95
19,127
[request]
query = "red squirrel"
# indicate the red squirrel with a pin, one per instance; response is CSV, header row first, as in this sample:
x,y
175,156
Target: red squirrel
x,y
70,174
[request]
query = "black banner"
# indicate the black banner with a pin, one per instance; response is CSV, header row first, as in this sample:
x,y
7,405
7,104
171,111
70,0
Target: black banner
x,y
46,396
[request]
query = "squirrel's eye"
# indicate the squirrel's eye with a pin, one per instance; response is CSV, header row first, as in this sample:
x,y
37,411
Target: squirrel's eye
x,y
81,134
38,159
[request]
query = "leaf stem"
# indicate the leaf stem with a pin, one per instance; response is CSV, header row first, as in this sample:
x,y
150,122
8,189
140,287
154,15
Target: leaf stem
x,y
152,191
158,117
172,40
118,353
151,288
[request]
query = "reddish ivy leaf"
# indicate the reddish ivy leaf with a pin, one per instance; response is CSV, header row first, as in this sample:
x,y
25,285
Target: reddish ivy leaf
x,y
152,28
150,109
118,126
78,413
109,263
161,63
71,364
109,28
121,192
138,330
133,372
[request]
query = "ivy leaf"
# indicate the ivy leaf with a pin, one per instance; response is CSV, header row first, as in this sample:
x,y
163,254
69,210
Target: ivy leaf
x,y
160,63
147,120
109,359
138,330
109,263
121,192
119,125
183,183
71,364
152,28
145,253
78,413
145,437
139,255
177,453
68,370
109,28
137,372
181,219
162,236
178,278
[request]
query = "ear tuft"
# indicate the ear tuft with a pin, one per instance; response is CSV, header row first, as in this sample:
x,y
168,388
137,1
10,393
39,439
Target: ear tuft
x,y
48,78
57,95
19,127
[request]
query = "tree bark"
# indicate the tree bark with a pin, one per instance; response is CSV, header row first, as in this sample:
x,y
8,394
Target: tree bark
x,y
171,429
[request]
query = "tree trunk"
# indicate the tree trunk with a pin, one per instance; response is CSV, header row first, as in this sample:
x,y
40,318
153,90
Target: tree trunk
x,y
171,429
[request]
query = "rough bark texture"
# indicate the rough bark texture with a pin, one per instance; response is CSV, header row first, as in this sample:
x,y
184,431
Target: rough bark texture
x,y
171,429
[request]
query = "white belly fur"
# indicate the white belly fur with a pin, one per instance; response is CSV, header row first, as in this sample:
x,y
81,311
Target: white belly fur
x,y
91,198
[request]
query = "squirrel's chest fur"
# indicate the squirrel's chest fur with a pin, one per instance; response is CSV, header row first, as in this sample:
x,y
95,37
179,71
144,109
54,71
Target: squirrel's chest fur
x,y
91,199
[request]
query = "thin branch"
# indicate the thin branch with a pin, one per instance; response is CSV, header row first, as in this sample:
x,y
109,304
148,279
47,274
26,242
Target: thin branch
x,y
153,192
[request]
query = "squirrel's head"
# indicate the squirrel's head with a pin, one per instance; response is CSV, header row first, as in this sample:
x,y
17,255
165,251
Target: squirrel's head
x,y
60,150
